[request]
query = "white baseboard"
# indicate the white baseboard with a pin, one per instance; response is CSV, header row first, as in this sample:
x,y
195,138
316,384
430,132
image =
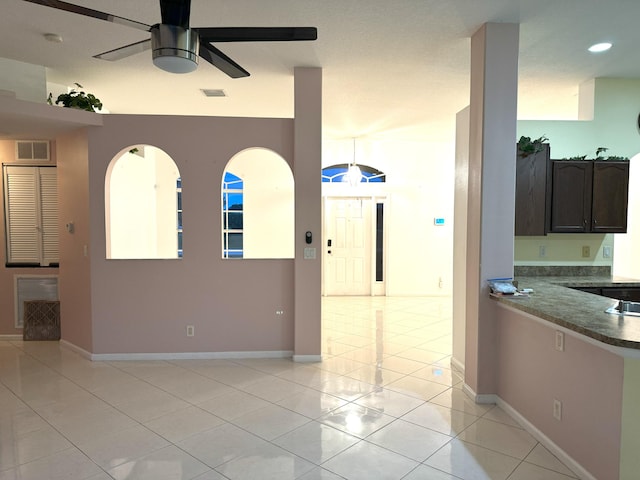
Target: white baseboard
x,y
9,338
546,441
481,399
106,357
458,366
307,358
74,348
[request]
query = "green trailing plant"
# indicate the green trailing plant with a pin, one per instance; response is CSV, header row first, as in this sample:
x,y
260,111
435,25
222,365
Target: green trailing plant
x,y
77,99
599,157
527,146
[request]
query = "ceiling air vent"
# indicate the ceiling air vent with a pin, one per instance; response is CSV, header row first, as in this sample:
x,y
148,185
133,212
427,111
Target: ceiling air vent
x,y
32,150
214,92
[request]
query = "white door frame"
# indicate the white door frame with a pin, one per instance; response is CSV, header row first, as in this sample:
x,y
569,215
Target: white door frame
x,y
376,288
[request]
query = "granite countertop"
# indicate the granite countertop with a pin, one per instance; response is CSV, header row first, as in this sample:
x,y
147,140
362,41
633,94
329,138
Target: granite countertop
x,y
579,311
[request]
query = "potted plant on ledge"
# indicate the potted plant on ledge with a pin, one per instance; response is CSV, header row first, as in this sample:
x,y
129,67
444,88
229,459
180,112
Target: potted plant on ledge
x,y
77,99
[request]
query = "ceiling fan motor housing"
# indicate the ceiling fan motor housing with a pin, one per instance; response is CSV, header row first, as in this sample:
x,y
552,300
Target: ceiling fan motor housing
x,y
175,49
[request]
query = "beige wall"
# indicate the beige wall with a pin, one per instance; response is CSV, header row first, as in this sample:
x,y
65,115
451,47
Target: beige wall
x,y
564,249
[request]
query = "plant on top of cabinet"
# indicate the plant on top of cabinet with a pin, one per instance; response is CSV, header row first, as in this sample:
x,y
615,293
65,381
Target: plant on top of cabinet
x,y
599,157
77,99
527,146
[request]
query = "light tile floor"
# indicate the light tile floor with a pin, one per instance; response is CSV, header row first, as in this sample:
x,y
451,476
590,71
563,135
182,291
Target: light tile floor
x,y
384,404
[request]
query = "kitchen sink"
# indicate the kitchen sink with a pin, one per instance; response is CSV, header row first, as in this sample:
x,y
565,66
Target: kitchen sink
x,y
624,307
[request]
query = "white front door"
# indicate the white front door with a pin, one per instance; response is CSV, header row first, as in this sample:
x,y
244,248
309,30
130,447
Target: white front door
x,y
347,246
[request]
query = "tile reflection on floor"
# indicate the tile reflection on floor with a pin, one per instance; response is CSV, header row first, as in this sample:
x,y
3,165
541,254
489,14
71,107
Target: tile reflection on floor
x,y
384,404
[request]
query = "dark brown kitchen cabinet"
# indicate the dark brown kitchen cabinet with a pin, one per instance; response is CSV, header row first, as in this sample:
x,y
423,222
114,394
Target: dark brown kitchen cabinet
x,y
610,197
631,294
532,172
589,196
571,196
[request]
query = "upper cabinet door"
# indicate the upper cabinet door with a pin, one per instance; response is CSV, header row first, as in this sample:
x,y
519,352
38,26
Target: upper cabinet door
x,y
610,196
531,193
571,197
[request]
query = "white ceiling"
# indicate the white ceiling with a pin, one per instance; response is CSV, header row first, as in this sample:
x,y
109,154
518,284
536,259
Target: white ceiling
x,y
397,67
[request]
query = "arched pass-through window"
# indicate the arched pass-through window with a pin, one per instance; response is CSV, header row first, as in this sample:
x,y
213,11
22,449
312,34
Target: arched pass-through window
x,y
143,205
257,206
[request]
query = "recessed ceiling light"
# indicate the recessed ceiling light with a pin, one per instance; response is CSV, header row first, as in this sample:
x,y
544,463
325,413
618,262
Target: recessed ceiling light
x,y
600,47
214,92
53,37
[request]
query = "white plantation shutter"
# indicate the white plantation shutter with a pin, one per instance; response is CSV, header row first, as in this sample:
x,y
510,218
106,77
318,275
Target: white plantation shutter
x,y
49,214
31,215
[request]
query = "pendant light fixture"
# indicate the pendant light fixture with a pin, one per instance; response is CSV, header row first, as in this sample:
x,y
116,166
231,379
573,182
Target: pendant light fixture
x,y
354,174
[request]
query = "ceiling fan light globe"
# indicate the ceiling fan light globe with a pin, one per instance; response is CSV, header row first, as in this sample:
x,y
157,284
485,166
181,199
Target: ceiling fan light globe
x,y
175,49
174,64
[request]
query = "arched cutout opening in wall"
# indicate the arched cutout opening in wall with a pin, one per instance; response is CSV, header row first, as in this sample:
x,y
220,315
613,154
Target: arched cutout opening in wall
x,y
143,205
257,206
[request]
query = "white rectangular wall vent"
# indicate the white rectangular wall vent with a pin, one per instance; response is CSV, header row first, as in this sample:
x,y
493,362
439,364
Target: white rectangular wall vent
x,y
32,150
214,92
32,287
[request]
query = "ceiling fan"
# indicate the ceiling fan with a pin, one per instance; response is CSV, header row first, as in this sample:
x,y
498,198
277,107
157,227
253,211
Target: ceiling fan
x,y
176,46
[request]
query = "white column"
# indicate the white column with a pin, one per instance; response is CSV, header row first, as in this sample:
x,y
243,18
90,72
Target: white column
x,y
460,218
307,168
491,194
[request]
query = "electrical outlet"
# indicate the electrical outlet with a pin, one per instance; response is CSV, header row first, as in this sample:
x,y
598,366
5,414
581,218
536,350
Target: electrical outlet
x,y
559,341
542,251
279,312
190,331
606,251
557,409
586,251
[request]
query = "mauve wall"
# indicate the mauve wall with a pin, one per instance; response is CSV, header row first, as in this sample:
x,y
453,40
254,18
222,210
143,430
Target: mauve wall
x,y
587,379
73,206
143,306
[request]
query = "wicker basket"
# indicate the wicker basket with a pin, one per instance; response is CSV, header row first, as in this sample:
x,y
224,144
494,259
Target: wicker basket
x,y
41,320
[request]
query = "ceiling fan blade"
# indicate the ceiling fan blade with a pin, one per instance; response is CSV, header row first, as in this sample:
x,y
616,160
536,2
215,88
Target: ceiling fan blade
x,y
218,59
257,34
175,12
126,51
88,12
